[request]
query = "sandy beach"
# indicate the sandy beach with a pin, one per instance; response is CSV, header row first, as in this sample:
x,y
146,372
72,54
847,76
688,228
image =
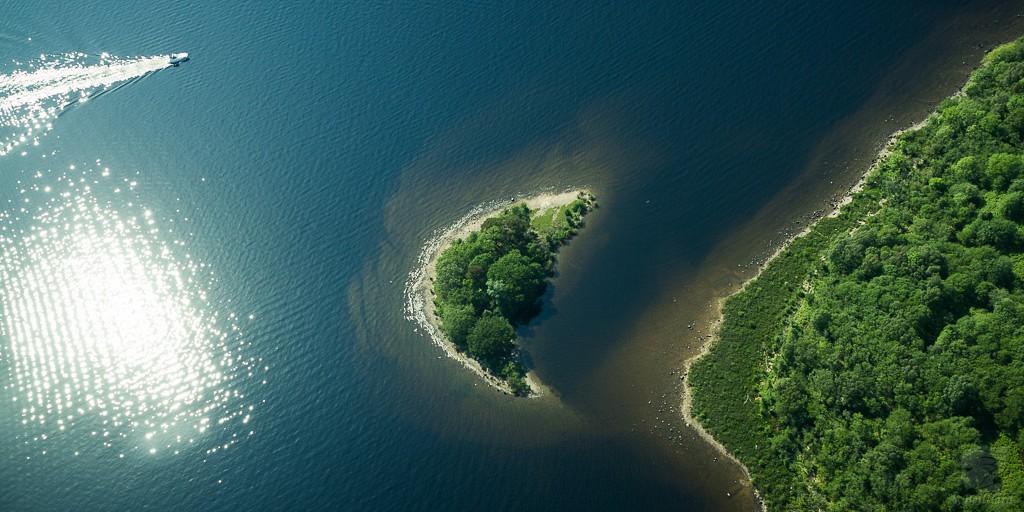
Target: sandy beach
x,y
419,303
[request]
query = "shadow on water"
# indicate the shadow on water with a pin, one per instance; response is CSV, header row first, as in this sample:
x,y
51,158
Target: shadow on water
x,y
548,309
611,340
460,407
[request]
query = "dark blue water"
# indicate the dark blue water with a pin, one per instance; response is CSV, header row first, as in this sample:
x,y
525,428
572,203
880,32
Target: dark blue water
x,y
308,149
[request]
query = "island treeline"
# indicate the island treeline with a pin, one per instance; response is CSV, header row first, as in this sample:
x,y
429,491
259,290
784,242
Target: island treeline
x,y
878,362
493,280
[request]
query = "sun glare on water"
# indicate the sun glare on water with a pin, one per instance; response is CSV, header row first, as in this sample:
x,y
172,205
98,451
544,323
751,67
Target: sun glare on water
x,y
108,333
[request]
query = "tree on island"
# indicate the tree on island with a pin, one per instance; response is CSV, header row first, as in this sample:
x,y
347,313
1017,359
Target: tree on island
x,y
492,281
514,283
490,340
458,321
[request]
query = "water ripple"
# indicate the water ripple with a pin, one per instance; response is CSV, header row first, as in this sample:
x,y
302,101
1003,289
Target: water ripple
x,y
42,89
107,329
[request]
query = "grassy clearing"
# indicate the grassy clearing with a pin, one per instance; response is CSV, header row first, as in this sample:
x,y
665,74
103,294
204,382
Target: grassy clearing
x,y
557,225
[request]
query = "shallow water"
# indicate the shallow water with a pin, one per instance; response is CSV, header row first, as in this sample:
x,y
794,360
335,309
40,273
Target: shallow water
x,y
304,154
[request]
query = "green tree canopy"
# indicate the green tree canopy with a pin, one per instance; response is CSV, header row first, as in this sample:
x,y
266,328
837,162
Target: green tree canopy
x,y
494,279
514,283
878,359
490,339
456,322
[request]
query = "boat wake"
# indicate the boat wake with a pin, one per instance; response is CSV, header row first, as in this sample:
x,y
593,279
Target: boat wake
x,y
32,97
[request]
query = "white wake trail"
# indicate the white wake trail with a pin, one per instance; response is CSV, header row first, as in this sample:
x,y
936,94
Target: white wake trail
x,y
32,97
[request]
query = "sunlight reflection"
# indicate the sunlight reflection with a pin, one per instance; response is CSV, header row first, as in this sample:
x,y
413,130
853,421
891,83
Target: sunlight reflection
x,y
35,94
105,324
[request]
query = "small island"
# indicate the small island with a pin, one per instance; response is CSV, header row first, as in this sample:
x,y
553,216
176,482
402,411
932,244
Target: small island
x,y
486,274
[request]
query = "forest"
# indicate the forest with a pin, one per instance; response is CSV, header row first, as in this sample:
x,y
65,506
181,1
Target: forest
x,y
494,279
878,362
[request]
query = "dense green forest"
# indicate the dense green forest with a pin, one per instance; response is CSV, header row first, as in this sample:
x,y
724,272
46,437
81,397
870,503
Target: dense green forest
x,y
493,280
878,362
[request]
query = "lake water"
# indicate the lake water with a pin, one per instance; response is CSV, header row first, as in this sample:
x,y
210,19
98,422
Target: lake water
x,y
258,210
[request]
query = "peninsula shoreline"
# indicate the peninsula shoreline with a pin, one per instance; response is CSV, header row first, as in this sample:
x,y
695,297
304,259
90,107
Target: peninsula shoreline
x,y
711,327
